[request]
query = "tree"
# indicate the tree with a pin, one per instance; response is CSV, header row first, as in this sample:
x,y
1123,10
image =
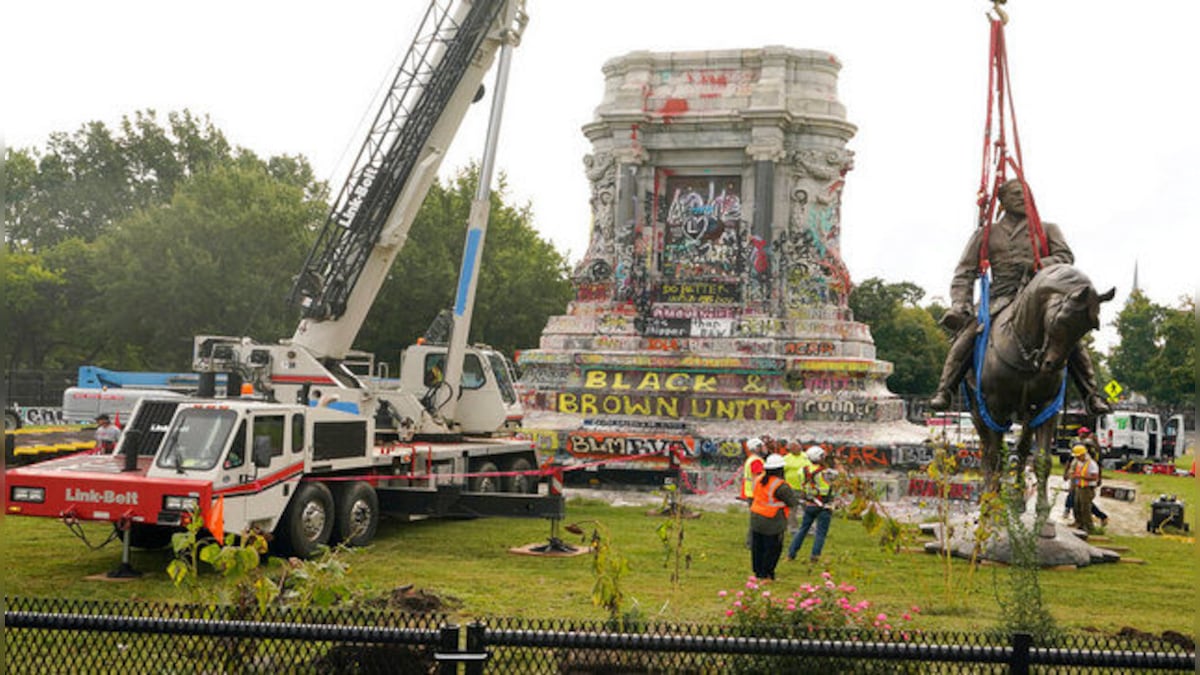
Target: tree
x,y
84,181
904,333
217,260
1174,365
522,282
31,302
1137,326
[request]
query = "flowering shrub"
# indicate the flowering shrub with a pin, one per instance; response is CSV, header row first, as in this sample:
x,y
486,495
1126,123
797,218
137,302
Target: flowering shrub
x,y
827,604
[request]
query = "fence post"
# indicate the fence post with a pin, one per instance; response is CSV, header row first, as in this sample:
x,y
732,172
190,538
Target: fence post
x,y
1021,642
476,646
447,649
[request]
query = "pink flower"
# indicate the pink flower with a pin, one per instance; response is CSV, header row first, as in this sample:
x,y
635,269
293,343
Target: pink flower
x,y
826,575
881,617
766,594
906,616
915,609
729,612
751,585
846,588
737,603
863,604
721,594
741,593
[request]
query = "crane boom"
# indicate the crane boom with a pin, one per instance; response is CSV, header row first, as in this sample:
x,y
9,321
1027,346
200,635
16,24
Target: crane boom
x,y
420,114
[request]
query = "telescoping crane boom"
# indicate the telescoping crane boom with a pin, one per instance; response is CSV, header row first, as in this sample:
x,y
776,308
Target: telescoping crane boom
x,y
305,442
438,79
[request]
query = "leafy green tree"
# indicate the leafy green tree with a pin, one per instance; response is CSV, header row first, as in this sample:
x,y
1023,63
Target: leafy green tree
x,y
1174,364
31,301
1137,325
218,260
84,181
904,333
523,279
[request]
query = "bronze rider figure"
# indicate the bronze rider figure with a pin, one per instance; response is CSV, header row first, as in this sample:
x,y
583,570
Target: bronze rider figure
x,y
1011,255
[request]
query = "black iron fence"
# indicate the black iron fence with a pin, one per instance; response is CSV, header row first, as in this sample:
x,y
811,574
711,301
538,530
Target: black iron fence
x,y
70,636
37,387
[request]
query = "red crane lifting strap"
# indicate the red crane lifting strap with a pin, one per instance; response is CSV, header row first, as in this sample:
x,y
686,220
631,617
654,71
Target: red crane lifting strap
x,y
996,158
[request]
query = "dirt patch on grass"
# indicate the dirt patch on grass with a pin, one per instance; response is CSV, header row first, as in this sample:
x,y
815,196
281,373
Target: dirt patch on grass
x,y
414,600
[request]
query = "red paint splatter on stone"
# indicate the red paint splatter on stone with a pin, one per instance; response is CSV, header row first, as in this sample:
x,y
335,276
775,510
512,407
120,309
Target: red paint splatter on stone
x,y
673,107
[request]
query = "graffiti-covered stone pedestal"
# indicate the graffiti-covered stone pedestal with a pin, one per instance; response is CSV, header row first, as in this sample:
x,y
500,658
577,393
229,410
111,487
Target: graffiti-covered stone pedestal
x,y
712,301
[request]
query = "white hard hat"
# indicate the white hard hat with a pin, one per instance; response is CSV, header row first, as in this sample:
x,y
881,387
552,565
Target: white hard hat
x,y
815,453
754,444
773,462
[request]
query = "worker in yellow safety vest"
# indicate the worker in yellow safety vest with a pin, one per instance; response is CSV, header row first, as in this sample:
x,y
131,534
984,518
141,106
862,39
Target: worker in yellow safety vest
x,y
793,472
773,498
818,496
1084,473
751,468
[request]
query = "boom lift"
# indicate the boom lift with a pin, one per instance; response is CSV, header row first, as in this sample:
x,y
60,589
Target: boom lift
x,y
304,441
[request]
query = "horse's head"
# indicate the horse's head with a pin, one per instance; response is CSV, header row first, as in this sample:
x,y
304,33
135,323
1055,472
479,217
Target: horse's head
x,y
1068,316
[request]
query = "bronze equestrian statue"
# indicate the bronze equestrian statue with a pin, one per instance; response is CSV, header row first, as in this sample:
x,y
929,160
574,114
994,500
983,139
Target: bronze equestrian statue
x,y
1012,262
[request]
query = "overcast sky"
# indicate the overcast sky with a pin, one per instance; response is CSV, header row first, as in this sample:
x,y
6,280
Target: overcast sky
x,y
1105,94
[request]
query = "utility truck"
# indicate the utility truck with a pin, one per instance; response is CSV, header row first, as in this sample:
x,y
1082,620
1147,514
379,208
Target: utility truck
x,y
1127,436
295,437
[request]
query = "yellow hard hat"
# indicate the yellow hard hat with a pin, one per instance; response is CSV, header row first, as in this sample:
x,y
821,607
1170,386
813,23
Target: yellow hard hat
x,y
1079,451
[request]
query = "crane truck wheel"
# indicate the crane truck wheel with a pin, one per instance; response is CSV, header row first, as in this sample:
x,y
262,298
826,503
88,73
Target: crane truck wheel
x,y
12,420
484,483
521,483
356,514
308,521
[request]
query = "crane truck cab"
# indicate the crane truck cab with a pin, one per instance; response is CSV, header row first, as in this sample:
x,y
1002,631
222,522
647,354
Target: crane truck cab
x,y
488,399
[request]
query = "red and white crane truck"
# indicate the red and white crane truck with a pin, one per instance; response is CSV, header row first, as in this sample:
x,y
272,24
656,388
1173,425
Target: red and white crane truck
x,y
300,440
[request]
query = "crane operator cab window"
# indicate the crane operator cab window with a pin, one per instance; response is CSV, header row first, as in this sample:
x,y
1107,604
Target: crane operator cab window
x,y
237,450
435,371
268,430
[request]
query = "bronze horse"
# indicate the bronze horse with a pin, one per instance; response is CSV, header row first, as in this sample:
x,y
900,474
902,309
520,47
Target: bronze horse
x,y
1023,370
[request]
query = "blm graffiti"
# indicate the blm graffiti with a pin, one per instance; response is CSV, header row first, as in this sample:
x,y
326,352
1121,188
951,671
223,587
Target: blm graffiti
x,y
705,232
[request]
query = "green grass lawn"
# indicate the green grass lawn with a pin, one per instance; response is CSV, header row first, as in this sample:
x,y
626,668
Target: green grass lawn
x,y
468,563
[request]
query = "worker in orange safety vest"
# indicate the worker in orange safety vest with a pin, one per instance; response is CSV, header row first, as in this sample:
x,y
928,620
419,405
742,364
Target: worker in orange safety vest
x,y
773,497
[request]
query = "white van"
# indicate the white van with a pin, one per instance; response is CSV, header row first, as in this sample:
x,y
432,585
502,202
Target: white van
x,y
1127,435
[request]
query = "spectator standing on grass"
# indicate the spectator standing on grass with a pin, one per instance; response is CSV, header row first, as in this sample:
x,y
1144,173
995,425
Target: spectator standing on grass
x,y
107,434
773,498
818,498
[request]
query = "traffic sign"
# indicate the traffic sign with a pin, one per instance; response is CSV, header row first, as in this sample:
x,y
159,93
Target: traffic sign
x,y
1113,389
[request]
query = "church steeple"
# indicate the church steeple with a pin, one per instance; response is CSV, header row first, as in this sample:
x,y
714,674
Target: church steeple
x,y
1135,279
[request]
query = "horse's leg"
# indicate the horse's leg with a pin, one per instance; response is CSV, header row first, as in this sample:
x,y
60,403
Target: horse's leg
x,y
1018,458
991,459
1042,463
